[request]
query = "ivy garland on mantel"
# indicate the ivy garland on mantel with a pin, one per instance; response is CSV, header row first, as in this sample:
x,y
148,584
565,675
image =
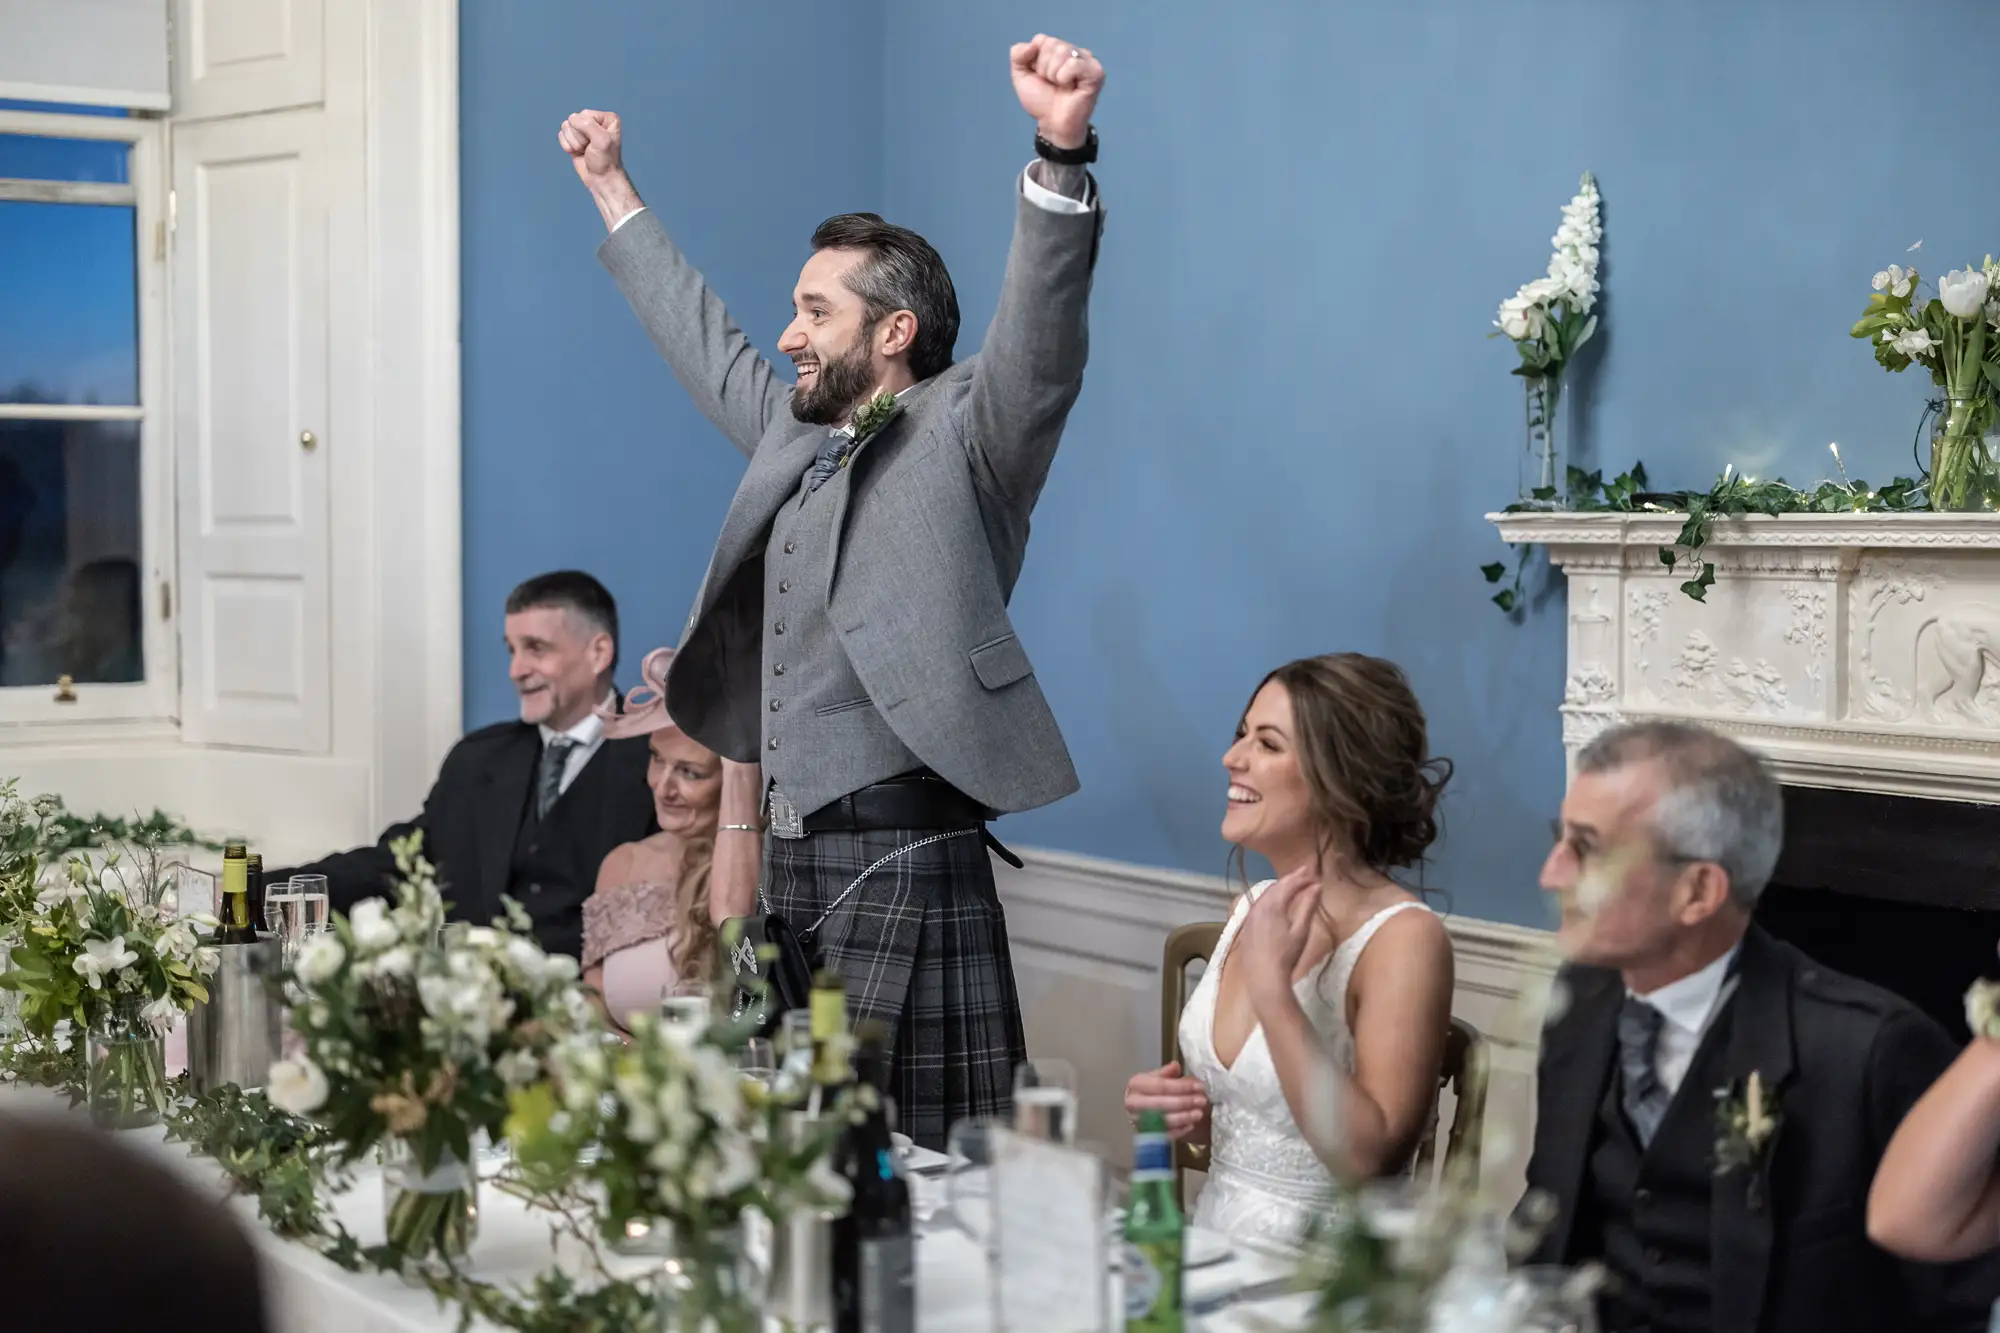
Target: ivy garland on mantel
x,y
1733,495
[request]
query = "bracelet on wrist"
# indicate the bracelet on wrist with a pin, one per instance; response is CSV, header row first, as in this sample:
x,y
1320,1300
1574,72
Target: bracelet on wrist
x,y
739,828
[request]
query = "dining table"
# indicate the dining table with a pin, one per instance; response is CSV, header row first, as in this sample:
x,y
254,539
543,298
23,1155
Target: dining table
x,y
1227,1289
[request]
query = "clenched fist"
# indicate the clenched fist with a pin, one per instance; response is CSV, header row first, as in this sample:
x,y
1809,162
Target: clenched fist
x,y
1058,85
591,139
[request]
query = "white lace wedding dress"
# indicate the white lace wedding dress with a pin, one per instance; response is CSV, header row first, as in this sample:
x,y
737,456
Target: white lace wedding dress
x,y
1264,1182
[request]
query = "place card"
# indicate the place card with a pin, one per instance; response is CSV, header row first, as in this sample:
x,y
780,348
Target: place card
x,y
1050,1266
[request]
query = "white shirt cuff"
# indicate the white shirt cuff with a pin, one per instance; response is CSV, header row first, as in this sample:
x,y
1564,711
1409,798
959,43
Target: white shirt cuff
x,y
628,217
1041,196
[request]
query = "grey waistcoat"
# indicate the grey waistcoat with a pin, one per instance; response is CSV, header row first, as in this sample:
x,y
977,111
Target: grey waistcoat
x,y
823,736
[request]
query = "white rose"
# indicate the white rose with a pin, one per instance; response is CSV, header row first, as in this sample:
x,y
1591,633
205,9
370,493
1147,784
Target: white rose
x,y
641,1125
481,937
397,962
1963,292
371,926
670,1155
526,958
297,1086
1521,319
321,958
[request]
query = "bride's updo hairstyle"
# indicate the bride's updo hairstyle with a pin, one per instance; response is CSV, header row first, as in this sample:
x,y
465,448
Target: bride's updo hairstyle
x,y
1364,749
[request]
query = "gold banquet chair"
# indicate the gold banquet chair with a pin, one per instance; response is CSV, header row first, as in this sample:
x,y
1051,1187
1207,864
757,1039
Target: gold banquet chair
x,y
1463,1072
1187,945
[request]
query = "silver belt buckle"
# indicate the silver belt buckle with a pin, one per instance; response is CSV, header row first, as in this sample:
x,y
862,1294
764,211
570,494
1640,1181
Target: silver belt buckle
x,y
785,820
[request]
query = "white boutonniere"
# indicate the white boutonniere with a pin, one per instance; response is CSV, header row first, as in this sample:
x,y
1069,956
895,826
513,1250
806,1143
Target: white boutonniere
x,y
873,415
1746,1121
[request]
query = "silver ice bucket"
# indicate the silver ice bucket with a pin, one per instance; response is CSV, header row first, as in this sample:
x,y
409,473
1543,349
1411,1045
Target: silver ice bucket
x,y
239,1032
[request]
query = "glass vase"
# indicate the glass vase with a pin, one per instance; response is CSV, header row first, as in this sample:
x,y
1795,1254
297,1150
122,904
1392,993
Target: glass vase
x,y
706,1284
125,1078
432,1216
1540,465
1964,475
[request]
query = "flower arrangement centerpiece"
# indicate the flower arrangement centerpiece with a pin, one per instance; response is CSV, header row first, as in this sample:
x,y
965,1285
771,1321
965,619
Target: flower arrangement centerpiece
x,y
1955,335
1549,320
102,961
414,1033
685,1145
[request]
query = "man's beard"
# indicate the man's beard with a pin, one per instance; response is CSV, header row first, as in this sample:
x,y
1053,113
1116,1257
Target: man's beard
x,y
839,385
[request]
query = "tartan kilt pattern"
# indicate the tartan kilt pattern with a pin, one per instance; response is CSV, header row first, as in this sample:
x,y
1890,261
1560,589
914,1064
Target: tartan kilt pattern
x,y
922,947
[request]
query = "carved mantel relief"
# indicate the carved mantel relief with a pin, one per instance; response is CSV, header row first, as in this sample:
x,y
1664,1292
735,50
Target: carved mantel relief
x,y
1856,650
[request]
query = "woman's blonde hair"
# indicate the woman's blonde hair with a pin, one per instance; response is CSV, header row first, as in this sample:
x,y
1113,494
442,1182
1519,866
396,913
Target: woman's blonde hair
x,y
693,949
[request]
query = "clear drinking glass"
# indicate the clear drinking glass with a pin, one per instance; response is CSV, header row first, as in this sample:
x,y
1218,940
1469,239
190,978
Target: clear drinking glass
x,y
968,1177
1045,1100
314,903
685,1013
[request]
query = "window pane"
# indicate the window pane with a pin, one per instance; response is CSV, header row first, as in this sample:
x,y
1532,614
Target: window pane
x,y
69,552
69,305
40,158
61,108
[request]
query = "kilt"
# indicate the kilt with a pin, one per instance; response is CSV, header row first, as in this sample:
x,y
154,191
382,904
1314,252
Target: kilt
x,y
922,947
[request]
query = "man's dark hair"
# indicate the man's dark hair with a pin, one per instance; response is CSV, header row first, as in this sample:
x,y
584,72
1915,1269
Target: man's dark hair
x,y
571,590
901,272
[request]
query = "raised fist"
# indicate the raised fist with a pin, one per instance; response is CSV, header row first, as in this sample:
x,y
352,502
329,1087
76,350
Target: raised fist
x,y
591,138
1058,85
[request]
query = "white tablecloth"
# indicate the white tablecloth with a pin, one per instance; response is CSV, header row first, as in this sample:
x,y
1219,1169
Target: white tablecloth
x,y
311,1295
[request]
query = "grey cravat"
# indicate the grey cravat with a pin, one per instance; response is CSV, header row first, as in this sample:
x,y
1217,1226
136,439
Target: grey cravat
x,y
1640,1092
832,457
548,779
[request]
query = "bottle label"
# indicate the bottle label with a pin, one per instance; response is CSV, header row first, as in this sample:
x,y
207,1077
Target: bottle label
x,y
1146,1284
889,1285
1152,1153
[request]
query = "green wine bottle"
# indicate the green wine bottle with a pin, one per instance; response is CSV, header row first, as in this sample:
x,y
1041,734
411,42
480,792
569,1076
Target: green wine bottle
x,y
1153,1231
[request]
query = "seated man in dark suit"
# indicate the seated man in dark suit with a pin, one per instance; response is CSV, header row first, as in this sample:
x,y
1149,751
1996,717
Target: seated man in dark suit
x,y
528,808
1712,1103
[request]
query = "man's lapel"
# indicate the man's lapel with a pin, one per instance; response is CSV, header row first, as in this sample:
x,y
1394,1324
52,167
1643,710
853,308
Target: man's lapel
x,y
1741,1203
497,819
772,479
1577,1059
880,451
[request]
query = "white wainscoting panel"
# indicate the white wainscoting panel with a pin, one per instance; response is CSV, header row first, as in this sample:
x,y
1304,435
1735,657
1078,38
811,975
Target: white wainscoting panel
x,y
1087,936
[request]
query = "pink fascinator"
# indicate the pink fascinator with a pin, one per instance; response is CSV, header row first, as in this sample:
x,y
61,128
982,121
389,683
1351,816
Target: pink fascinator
x,y
645,710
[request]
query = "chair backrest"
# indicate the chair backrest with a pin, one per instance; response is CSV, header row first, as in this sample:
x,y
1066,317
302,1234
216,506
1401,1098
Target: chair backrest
x,y
1186,946
1464,1072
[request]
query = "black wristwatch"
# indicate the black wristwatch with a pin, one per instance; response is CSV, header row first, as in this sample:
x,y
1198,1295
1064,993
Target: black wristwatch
x,y
1068,157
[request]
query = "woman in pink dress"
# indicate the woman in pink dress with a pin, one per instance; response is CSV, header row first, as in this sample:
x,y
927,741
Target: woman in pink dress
x,y
649,928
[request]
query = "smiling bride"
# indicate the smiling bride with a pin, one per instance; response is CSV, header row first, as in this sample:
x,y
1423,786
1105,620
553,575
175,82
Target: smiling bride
x,y
1314,1039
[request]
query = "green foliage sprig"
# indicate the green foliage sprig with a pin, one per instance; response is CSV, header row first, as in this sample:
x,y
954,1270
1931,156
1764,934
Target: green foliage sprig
x,y
1733,495
65,832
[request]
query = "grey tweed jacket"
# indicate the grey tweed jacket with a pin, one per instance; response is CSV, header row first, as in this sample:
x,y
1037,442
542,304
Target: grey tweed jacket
x,y
931,542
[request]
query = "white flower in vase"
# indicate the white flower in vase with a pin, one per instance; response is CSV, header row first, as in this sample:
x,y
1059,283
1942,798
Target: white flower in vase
x,y
207,959
395,964
57,894
160,1013
297,1086
1912,342
321,958
1521,319
373,930
1993,312
517,1069
102,958
1895,279
1963,292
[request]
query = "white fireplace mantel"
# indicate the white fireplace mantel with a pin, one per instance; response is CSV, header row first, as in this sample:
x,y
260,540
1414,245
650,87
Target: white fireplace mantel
x,y
1852,650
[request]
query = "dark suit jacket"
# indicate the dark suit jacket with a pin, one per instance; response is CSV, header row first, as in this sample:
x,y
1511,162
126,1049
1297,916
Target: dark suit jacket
x,y
1846,1061
473,814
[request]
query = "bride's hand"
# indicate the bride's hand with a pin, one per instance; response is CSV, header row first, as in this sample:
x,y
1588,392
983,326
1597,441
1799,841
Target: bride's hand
x,y
1274,935
1184,1101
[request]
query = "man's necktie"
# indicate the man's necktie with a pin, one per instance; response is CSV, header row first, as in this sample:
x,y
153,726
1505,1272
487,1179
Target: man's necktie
x,y
839,444
548,781
1641,1093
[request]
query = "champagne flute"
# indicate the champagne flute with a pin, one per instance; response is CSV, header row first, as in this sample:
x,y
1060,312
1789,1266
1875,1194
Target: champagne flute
x,y
757,1062
314,902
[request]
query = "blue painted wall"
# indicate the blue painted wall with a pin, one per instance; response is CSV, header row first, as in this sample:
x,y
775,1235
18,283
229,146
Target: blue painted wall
x,y
1293,422
580,450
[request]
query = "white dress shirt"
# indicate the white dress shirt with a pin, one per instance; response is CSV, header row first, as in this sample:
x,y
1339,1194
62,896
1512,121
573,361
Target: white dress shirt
x,y
589,736
1689,1006
1038,195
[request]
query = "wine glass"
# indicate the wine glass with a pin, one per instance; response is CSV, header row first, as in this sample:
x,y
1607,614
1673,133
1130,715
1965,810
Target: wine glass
x,y
1045,1100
